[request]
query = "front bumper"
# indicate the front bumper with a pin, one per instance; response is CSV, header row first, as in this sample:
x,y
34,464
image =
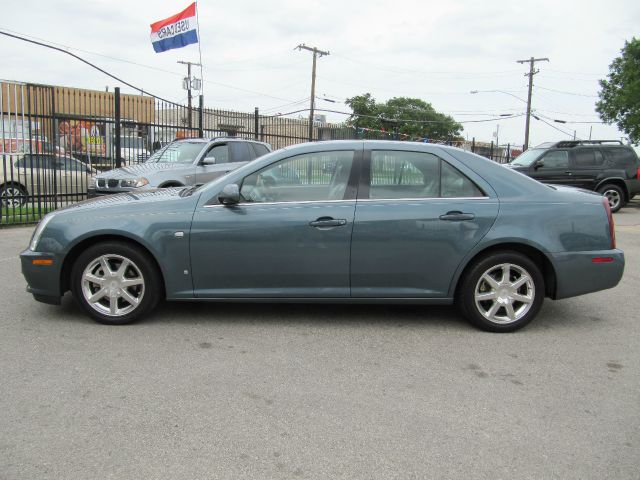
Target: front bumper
x,y
43,281
577,273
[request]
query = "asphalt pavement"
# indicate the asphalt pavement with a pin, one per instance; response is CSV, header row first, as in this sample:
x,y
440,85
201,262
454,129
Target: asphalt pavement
x,y
229,391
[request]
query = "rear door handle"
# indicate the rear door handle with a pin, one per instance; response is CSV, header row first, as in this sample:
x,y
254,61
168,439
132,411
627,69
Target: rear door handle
x,y
457,216
327,222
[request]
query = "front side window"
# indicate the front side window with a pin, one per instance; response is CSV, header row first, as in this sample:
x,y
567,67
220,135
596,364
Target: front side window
x,y
397,174
220,153
556,159
309,177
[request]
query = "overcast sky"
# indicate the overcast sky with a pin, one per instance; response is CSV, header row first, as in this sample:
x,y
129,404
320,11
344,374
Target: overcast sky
x,y
436,51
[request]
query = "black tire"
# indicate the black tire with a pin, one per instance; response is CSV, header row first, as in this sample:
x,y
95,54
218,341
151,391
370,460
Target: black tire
x,y
614,194
13,195
120,286
521,268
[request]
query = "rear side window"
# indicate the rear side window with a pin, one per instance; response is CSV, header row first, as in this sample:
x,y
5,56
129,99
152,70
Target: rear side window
x,y
587,157
259,149
396,174
621,156
45,162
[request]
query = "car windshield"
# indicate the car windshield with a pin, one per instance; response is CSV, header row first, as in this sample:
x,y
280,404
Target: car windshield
x,y
527,158
177,152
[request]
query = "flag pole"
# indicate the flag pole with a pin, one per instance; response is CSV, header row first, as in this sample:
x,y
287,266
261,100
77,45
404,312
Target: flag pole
x,y
200,51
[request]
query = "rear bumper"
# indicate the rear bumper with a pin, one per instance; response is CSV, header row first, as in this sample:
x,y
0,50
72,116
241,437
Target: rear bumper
x,y
633,187
43,281
577,273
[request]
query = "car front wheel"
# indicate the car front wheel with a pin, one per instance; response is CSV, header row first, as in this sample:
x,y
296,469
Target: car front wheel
x,y
115,282
501,292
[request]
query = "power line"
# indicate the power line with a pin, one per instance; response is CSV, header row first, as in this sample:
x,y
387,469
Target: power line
x,y
568,93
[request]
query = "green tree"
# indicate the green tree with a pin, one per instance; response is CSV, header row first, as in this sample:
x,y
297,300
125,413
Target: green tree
x,y
620,94
408,118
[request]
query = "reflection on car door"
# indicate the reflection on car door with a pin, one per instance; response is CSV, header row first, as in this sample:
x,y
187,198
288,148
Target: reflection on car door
x,y
289,236
417,216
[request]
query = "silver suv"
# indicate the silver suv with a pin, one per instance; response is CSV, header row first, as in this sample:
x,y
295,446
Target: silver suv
x,y
181,163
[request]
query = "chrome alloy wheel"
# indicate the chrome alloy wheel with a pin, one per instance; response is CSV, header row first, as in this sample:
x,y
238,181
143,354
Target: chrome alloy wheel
x,y
613,196
113,285
504,293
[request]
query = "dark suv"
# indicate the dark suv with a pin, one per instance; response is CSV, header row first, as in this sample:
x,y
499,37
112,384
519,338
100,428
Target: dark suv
x,y
181,163
604,166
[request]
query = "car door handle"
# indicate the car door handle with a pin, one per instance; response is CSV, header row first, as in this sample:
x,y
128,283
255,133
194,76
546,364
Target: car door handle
x,y
325,222
568,172
457,216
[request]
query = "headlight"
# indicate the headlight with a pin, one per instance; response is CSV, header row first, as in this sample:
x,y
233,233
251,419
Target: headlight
x,y
134,182
39,229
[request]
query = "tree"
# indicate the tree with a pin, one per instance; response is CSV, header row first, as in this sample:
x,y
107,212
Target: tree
x,y
620,95
405,118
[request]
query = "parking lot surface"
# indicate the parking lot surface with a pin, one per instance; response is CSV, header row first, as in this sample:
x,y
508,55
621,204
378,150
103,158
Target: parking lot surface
x,y
307,391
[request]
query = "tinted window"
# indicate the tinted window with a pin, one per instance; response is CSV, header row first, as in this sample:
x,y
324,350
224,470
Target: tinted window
x,y
621,156
70,165
456,184
259,149
396,174
308,177
586,157
220,153
556,159
45,162
240,152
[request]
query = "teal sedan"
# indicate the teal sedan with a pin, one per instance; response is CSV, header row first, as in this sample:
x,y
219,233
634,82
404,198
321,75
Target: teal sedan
x,y
345,221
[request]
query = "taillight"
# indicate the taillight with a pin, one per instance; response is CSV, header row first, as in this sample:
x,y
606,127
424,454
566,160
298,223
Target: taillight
x,y
612,228
638,176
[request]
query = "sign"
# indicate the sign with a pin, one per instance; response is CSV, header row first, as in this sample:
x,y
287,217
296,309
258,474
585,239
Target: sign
x,y
176,31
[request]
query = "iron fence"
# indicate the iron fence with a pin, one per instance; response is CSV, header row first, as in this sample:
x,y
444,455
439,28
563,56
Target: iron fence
x,y
55,139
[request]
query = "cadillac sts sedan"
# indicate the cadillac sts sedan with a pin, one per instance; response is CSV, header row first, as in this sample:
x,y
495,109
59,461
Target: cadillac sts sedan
x,y
345,221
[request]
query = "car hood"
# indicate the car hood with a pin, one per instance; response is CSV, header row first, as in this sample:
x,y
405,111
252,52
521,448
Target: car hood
x,y
135,197
135,171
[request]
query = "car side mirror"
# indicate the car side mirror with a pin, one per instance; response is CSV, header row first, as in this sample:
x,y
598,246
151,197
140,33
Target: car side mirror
x,y
538,164
230,195
208,161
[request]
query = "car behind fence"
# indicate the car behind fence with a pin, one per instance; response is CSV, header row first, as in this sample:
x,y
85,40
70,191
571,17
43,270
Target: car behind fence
x,y
54,139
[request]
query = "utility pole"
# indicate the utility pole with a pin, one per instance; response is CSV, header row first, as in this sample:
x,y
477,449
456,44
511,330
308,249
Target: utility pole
x,y
532,72
187,85
316,52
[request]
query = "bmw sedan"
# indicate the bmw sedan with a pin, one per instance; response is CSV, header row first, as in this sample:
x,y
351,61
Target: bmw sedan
x,y
345,221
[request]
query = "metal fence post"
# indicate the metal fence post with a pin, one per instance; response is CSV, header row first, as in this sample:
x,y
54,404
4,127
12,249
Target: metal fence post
x,y
473,145
508,153
256,117
491,151
201,117
116,114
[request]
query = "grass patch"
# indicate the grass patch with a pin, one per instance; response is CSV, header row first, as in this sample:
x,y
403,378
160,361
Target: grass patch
x,y
24,214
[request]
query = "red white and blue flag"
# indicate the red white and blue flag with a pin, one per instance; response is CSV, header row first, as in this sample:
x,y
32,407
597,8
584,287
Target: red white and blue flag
x,y
176,31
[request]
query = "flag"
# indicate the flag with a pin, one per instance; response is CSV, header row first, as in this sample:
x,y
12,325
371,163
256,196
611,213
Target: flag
x,y
176,31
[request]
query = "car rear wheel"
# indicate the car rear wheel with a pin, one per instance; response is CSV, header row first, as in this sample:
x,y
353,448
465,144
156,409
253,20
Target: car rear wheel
x,y
13,195
115,282
614,195
501,292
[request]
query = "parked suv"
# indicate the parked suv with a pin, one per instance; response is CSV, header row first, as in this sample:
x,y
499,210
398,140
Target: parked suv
x,y
604,166
182,162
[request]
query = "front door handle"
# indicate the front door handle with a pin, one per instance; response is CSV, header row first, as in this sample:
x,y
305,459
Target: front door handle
x,y
327,222
457,216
